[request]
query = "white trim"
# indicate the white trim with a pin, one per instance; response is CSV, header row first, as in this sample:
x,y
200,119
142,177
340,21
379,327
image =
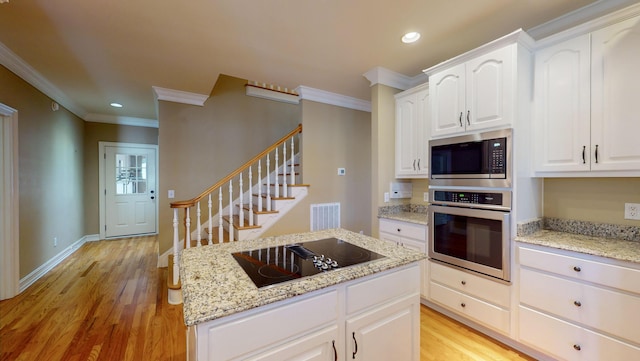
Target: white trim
x,y
114,119
25,71
380,75
603,8
179,96
101,182
258,92
9,205
323,96
32,277
163,259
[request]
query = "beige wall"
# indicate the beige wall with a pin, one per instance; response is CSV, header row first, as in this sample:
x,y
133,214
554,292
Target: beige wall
x,y
591,199
50,173
333,137
102,132
200,145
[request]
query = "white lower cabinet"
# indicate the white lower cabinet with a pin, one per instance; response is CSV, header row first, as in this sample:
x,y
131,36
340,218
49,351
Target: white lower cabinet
x,y
411,235
474,297
578,309
379,312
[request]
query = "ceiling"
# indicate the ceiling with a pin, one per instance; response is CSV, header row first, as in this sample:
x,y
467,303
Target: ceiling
x,y
92,53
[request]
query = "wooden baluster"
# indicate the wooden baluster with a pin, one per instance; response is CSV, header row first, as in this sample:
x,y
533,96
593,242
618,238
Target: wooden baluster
x,y
187,227
220,221
285,193
259,185
209,235
250,197
231,210
293,170
268,185
198,232
241,201
275,183
176,248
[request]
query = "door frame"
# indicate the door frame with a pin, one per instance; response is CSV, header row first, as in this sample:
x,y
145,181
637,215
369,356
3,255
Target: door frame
x,y
102,181
9,201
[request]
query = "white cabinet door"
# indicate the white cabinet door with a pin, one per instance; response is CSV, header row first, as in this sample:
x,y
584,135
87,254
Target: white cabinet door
x,y
562,106
319,346
447,90
615,113
490,94
388,333
412,112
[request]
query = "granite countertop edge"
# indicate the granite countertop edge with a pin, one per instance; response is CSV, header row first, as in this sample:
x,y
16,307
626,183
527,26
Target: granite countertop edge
x,y
616,249
411,217
215,286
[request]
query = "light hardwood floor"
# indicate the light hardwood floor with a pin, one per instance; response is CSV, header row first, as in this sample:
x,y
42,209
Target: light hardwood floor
x,y
108,301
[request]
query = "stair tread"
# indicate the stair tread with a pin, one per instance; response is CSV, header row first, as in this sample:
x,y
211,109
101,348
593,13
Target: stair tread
x,y
257,211
236,223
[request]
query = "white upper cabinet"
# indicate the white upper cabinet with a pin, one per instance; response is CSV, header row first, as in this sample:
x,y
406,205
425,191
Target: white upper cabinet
x,y
615,97
587,109
474,95
412,136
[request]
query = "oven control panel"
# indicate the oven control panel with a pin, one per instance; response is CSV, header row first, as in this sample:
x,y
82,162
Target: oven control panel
x,y
497,200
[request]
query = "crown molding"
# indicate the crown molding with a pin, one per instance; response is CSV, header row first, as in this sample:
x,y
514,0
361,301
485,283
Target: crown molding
x,y
384,76
260,92
6,110
586,19
114,119
19,67
179,96
323,96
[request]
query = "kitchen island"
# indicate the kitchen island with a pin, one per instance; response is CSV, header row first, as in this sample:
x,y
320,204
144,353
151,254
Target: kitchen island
x,y
368,311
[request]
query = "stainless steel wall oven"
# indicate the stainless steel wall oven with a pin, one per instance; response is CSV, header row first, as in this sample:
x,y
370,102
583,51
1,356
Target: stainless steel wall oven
x,y
471,229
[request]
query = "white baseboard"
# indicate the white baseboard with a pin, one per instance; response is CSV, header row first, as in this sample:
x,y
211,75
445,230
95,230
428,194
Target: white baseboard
x,y
163,259
32,277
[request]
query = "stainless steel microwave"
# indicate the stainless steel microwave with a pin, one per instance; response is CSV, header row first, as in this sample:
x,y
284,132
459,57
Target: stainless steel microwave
x,y
475,160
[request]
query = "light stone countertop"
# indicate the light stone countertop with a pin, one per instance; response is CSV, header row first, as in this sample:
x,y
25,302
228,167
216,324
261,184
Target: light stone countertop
x,y
598,246
411,217
214,285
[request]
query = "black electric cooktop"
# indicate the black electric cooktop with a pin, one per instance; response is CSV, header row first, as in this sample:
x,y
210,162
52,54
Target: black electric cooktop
x,y
273,265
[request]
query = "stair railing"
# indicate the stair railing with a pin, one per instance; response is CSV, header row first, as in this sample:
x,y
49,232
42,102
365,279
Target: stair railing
x,y
262,197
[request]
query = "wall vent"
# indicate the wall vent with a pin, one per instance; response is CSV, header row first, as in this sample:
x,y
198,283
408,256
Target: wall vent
x,y
325,216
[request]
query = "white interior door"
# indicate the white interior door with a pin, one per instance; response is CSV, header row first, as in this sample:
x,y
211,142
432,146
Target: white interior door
x,y
130,190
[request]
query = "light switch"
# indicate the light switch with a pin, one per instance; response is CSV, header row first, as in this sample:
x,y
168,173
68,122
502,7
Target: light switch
x,y
171,194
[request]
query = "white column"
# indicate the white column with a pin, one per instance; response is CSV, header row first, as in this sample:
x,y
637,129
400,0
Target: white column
x,y
260,185
209,235
250,197
176,248
268,185
241,202
187,228
284,170
220,221
198,231
293,169
276,185
230,210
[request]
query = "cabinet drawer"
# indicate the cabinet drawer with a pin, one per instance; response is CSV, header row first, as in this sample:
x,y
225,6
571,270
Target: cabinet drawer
x,y
623,278
479,287
381,289
483,312
404,229
570,342
612,312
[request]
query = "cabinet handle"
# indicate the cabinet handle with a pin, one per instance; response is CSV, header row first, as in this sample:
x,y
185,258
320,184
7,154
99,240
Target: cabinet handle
x,y
460,119
584,148
468,113
356,343
335,352
463,304
418,164
577,303
464,282
577,347
596,153
414,164
577,269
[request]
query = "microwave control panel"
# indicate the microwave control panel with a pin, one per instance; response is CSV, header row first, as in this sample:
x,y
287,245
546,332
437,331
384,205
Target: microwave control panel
x,y
497,200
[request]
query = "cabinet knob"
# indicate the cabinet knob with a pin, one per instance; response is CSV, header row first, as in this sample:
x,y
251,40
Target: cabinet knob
x,y
464,282
463,304
398,229
577,303
577,347
577,269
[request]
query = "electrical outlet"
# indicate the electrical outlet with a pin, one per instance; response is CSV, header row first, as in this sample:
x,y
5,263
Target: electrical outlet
x,y
386,197
55,241
171,193
342,171
632,211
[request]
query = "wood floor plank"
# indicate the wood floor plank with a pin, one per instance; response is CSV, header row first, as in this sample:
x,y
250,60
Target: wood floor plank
x,y
108,301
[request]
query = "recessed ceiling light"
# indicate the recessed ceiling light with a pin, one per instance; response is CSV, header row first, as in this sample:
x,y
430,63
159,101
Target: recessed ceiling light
x,y
410,37
116,105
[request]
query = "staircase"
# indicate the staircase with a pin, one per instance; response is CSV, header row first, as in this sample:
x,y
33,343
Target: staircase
x,y
239,207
